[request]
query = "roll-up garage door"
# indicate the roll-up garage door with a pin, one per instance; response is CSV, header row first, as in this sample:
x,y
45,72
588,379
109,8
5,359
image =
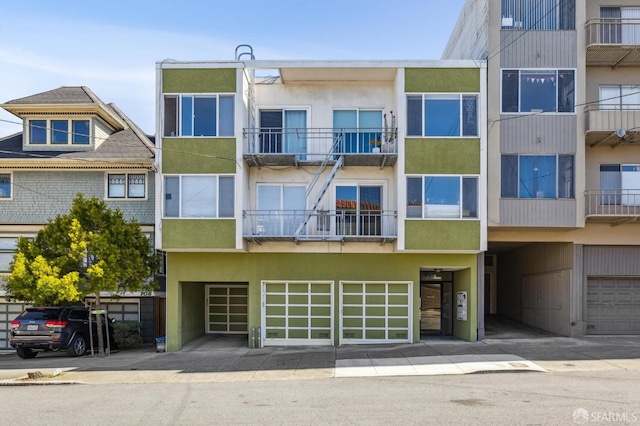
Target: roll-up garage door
x,y
297,313
613,305
375,312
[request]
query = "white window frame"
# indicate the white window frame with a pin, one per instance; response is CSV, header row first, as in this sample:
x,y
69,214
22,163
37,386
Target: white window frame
x,y
49,131
180,176
178,117
10,173
460,96
461,189
5,249
126,185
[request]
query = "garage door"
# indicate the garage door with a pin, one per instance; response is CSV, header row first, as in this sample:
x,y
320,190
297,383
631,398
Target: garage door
x,y
8,312
226,308
297,312
375,312
613,306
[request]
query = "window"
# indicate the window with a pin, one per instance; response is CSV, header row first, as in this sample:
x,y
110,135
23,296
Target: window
x,y
358,130
538,14
281,208
447,114
619,25
283,131
59,132
198,115
620,184
538,91
5,186
126,185
442,197
537,176
199,196
620,97
8,247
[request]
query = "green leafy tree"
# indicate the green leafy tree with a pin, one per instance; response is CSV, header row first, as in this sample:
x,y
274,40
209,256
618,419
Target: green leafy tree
x,y
90,250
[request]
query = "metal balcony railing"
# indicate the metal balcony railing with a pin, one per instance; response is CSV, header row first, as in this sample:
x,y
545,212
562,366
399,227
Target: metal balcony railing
x,y
604,120
613,31
612,202
313,144
323,225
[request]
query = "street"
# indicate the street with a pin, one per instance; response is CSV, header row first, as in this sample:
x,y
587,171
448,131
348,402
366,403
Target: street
x,y
500,398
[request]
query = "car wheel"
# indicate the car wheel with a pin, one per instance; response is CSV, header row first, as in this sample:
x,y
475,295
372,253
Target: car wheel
x,y
77,347
26,353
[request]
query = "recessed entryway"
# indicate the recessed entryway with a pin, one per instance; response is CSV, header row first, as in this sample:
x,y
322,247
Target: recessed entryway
x,y
436,303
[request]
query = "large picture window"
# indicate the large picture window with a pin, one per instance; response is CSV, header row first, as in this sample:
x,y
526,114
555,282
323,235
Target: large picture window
x,y
537,176
442,115
199,196
442,197
538,91
198,115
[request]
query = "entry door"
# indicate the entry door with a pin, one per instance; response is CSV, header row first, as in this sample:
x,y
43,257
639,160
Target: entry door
x,y
436,308
358,210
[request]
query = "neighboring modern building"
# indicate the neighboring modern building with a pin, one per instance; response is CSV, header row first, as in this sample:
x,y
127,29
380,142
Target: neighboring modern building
x,y
71,142
563,159
321,202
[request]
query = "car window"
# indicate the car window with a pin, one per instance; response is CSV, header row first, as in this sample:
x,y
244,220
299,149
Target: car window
x,y
78,314
40,314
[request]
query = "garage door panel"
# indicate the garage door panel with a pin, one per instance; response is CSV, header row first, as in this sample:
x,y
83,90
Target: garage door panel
x,y
227,308
613,305
297,312
375,312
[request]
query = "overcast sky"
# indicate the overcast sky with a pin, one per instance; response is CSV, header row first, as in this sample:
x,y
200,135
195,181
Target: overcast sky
x,y
112,47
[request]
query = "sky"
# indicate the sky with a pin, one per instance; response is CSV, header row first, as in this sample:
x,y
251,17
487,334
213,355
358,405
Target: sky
x,y
112,46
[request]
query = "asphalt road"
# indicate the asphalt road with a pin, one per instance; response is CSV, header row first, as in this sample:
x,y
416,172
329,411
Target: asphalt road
x,y
594,397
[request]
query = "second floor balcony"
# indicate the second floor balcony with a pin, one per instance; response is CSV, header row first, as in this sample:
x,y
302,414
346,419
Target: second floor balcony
x,y
320,225
613,42
612,205
612,124
309,146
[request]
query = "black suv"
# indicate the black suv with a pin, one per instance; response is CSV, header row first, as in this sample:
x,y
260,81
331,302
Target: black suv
x,y
54,329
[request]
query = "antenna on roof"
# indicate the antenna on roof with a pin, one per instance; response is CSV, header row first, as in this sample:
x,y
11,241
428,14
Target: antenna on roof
x,y
240,55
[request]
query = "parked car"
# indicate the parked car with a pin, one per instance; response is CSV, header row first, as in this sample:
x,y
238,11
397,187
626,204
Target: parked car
x,y
56,329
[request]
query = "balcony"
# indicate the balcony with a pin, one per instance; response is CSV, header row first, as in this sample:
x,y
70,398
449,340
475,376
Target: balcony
x,y
320,225
296,147
615,206
613,42
605,122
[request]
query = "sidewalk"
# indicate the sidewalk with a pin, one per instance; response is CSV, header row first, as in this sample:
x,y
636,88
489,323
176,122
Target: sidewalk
x,y
224,359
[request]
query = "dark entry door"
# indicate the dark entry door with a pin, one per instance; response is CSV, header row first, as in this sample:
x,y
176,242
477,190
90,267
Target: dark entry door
x,y
436,308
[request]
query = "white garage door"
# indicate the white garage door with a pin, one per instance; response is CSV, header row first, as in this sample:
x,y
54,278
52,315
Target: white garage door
x,y
226,308
613,305
375,312
8,312
297,313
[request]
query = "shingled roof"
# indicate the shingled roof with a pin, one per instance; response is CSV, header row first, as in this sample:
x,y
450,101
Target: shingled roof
x,y
128,144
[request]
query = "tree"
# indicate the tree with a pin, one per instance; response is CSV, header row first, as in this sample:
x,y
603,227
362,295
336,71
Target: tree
x,y
90,250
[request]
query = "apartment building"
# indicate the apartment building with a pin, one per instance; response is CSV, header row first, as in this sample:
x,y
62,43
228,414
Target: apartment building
x,y
71,142
321,202
563,79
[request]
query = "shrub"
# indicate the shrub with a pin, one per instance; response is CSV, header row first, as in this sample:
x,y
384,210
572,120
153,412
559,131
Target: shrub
x,y
127,334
